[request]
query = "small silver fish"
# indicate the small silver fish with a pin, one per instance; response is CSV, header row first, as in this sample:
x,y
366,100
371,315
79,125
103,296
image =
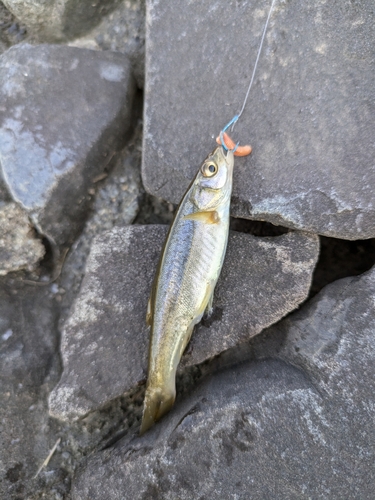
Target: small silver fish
x,y
186,276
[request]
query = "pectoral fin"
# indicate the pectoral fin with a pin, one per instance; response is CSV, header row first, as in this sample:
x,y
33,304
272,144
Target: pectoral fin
x,y
208,217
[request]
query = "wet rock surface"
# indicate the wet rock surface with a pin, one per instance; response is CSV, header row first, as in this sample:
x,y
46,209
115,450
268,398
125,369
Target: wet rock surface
x,y
19,247
255,428
262,280
310,116
66,111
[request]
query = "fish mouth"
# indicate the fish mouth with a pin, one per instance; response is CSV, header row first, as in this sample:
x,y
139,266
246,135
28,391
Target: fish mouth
x,y
219,154
228,156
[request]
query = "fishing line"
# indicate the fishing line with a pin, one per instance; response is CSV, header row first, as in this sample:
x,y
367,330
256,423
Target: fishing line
x,y
236,117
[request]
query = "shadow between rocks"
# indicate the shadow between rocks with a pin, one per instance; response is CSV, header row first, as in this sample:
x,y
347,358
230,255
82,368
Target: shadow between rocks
x,y
340,259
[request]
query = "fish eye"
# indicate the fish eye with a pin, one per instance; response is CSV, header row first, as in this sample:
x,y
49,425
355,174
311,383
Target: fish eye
x,y
209,169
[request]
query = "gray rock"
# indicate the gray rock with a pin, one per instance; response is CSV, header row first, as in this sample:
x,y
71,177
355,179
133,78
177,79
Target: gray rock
x,y
64,111
27,333
266,429
310,115
19,248
11,32
123,30
29,361
105,340
117,199
59,20
332,340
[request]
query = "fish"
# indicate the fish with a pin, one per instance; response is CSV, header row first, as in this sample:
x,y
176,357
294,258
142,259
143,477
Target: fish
x,y
186,276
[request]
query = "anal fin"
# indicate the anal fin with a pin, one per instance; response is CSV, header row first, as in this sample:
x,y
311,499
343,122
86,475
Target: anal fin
x,y
209,307
149,313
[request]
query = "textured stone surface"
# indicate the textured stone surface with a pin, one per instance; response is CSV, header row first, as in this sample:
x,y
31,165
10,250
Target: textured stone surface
x,y
117,199
64,111
105,340
19,248
265,429
123,30
310,116
30,368
59,20
11,32
28,357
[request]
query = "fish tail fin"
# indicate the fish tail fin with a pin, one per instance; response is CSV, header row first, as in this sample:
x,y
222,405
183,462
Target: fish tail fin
x,y
158,401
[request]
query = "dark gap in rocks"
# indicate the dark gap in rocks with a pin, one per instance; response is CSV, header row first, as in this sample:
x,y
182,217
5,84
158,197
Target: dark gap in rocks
x,y
256,227
125,414
154,211
47,264
4,194
132,406
340,259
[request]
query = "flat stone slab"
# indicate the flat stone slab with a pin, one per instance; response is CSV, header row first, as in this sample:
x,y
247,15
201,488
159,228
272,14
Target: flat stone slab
x,y
64,111
266,429
19,246
105,340
310,116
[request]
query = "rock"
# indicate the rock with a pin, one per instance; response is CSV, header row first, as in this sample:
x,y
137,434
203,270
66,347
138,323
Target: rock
x,y
59,20
123,30
333,341
117,200
310,115
105,340
28,335
265,429
11,32
19,248
29,361
64,112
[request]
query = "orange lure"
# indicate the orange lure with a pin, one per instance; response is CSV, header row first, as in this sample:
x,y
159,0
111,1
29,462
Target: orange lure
x,y
230,144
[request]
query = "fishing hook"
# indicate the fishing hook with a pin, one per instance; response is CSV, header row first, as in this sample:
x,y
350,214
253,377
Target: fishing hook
x,y
228,143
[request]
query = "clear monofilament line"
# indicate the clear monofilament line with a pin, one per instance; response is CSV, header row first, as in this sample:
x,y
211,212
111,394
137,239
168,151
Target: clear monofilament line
x,y
236,118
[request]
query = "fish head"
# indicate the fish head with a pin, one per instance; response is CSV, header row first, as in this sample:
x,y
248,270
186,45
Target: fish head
x,y
212,185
